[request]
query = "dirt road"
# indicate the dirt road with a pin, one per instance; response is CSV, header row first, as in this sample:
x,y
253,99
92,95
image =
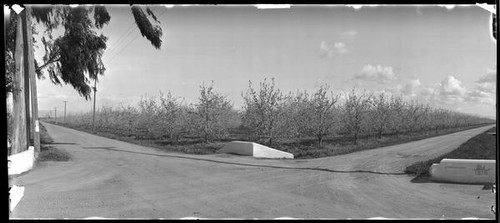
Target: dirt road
x,y
113,179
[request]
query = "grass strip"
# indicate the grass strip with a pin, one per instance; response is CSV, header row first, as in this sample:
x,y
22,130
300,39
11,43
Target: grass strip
x,y
47,152
482,146
305,149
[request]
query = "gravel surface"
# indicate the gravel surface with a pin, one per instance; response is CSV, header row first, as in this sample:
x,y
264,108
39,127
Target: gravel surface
x,y
112,179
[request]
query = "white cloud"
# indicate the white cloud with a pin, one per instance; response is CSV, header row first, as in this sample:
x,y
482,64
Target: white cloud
x,y
451,86
340,47
351,32
377,73
328,49
478,93
449,93
411,88
481,97
487,87
489,77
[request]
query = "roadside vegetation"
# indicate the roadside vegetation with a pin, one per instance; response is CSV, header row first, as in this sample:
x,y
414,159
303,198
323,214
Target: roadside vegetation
x,y
309,125
47,152
482,146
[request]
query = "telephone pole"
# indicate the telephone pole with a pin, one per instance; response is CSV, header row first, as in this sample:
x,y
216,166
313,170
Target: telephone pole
x,y
30,71
93,111
20,139
55,114
65,111
27,104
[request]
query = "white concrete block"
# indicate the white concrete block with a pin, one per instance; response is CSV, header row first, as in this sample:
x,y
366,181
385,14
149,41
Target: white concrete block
x,y
15,195
464,171
254,149
21,162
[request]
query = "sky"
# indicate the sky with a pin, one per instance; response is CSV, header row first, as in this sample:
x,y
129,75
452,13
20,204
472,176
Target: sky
x,y
442,56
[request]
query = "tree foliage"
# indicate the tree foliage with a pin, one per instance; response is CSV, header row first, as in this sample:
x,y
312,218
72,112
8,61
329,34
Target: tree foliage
x,y
381,114
270,116
356,109
152,33
321,114
172,116
75,57
212,115
264,111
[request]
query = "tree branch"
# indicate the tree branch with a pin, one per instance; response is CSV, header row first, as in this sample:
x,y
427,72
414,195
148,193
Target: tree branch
x,y
52,60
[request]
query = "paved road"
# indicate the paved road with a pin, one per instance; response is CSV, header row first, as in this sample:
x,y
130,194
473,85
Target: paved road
x,y
113,179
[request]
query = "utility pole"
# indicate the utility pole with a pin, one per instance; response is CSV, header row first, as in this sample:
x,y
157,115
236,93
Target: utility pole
x,y
93,111
20,140
27,101
55,114
30,71
65,111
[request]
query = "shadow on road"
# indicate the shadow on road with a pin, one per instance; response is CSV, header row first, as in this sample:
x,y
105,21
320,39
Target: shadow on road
x,y
247,164
428,179
60,143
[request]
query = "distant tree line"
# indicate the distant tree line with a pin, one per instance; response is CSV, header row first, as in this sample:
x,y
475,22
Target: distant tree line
x,y
269,115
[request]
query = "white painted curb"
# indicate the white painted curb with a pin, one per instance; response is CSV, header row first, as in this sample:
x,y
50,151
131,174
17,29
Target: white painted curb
x,y
15,195
21,162
464,171
254,149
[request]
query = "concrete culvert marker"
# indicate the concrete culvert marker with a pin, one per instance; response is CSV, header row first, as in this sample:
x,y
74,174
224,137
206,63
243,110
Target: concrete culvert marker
x,y
254,149
464,171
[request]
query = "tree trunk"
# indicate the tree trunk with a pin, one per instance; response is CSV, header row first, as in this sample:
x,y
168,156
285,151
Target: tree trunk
x,y
320,140
30,69
19,141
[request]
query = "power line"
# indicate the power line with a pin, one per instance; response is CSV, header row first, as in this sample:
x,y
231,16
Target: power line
x,y
129,29
137,35
120,40
111,59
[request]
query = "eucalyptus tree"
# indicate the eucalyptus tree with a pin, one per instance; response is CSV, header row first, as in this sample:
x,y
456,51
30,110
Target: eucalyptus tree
x,y
74,58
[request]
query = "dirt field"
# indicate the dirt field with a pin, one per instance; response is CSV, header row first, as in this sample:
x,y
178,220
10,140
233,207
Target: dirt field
x,y
113,179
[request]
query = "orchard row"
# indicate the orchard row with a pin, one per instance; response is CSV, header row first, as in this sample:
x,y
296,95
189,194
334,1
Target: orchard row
x,y
269,114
